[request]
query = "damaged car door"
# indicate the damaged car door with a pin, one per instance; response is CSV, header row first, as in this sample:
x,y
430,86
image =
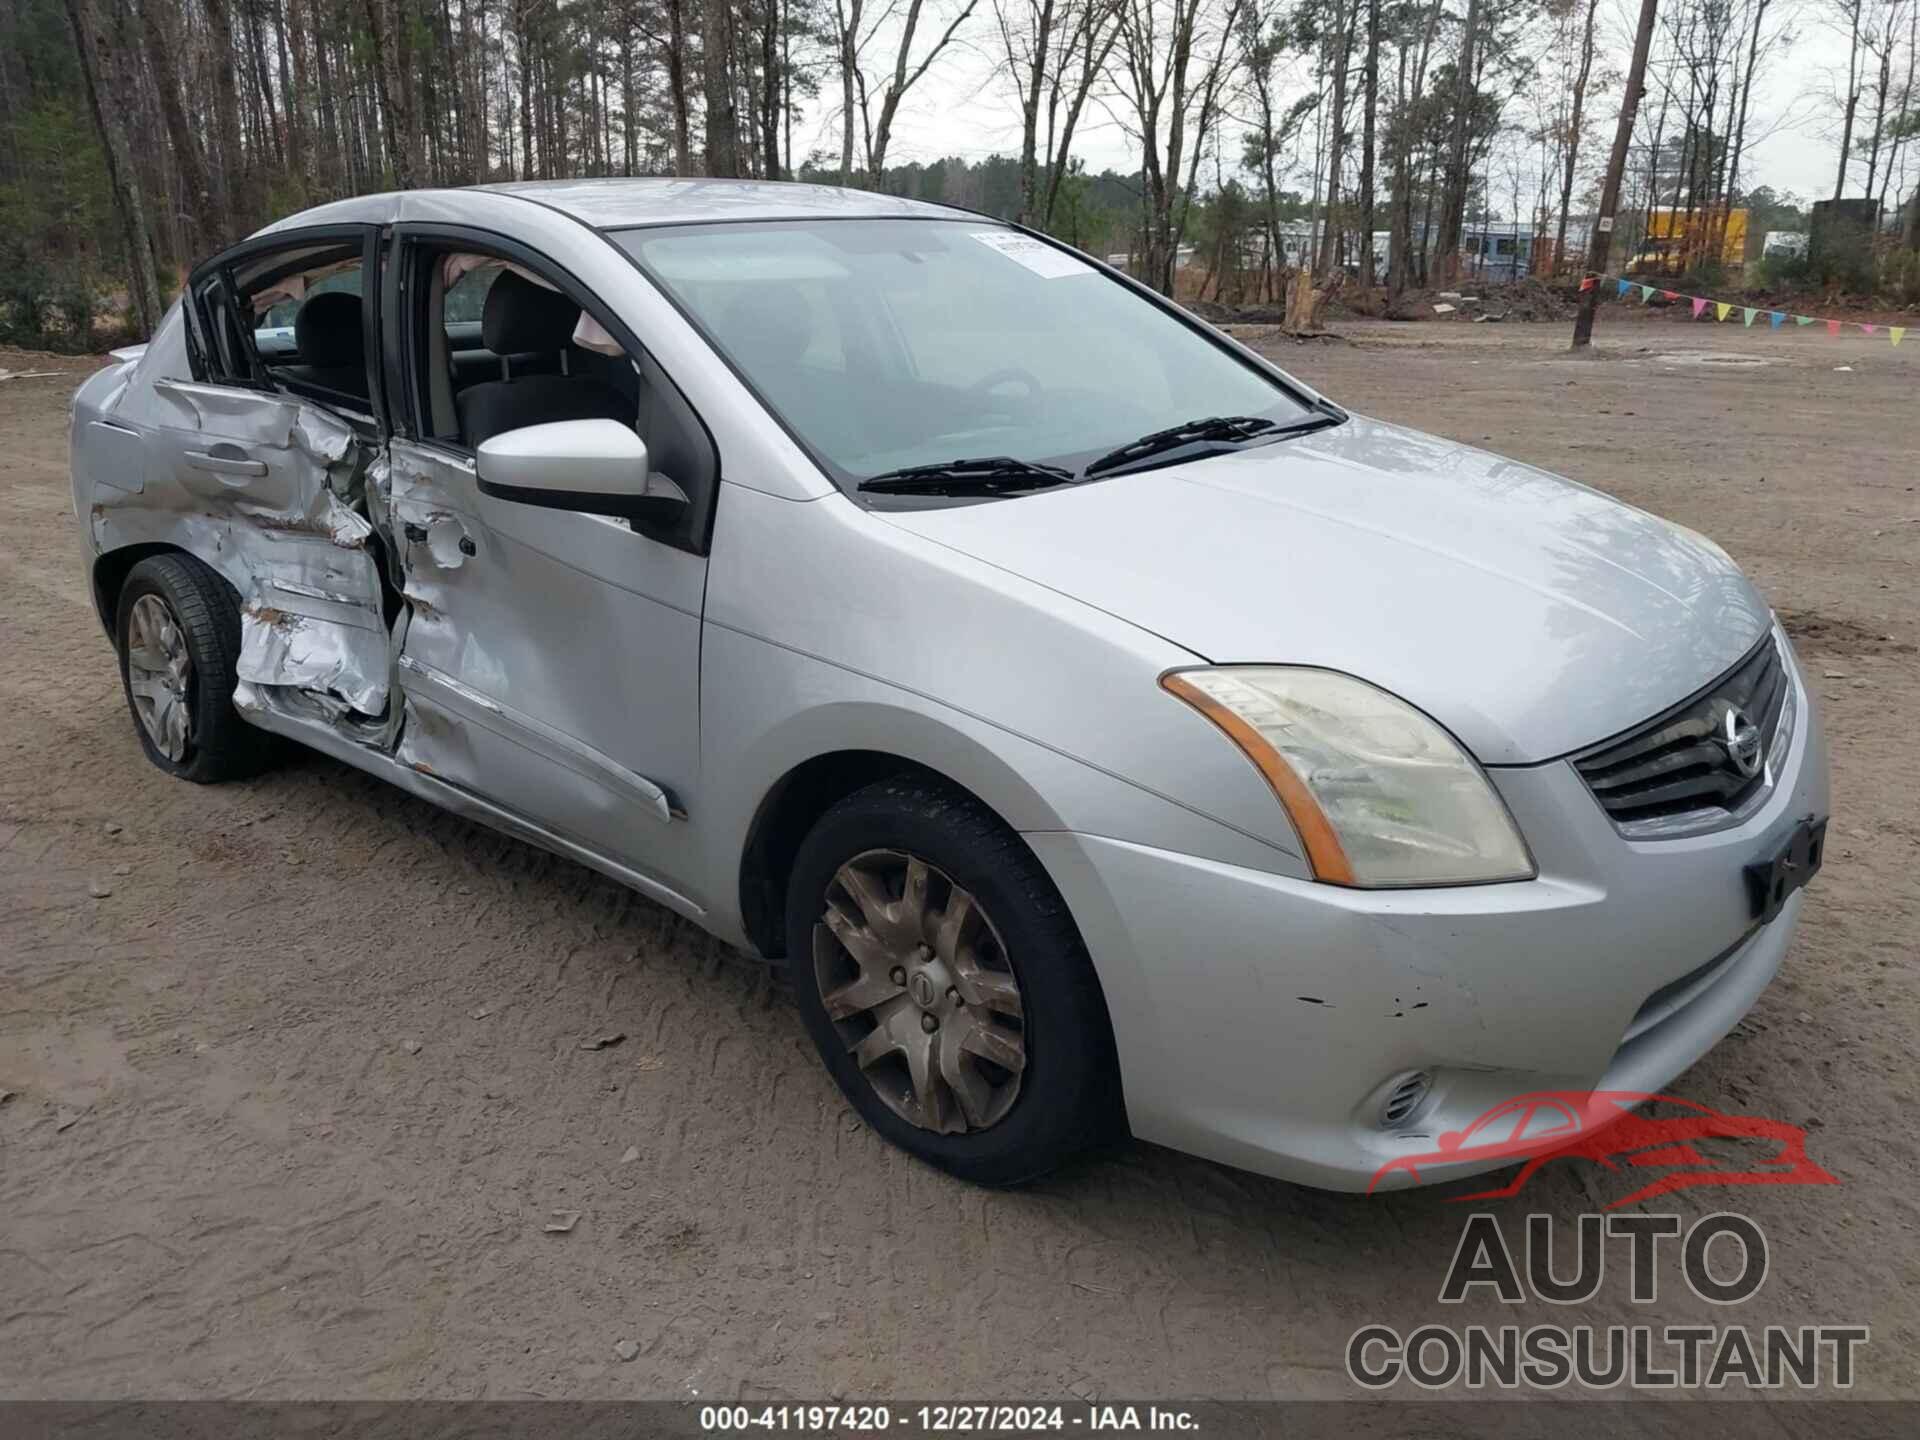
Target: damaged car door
x,y
266,457
550,657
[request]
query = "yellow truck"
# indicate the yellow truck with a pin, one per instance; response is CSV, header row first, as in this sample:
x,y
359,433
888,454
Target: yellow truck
x,y
1675,239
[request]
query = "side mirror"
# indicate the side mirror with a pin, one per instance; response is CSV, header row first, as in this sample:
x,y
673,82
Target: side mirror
x,y
597,466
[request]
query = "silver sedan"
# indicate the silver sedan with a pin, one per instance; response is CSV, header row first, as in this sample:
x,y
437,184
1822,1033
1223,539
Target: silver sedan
x,y
1106,731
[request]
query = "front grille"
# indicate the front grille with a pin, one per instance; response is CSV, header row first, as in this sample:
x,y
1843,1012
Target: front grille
x,y
1688,760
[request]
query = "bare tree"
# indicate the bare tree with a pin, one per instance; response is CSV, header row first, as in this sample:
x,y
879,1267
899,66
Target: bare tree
x,y
230,164
1882,42
1453,207
906,73
1757,46
1263,39
1582,77
723,119
1170,87
1026,29
1337,45
144,277
672,44
203,227
1850,102
1411,94
1369,104
403,138
1083,60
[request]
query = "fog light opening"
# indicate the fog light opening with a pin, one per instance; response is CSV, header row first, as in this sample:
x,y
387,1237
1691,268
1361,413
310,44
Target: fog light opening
x,y
1404,1098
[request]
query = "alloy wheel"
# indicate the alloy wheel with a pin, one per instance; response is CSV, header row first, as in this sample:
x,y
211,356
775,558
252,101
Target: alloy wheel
x,y
914,976
160,676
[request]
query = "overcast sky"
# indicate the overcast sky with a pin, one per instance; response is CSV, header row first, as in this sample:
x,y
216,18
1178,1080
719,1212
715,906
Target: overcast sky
x,y
963,108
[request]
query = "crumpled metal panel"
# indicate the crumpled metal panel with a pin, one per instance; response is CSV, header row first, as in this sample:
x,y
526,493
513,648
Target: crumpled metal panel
x,y
499,696
452,709
289,539
319,456
280,647
426,515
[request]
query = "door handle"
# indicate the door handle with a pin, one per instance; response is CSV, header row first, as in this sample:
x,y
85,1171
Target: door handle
x,y
225,464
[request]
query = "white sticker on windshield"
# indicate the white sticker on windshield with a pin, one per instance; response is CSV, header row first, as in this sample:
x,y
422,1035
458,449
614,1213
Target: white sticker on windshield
x,y
1036,255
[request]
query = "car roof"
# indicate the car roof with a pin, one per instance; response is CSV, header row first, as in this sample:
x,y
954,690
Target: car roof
x,y
618,202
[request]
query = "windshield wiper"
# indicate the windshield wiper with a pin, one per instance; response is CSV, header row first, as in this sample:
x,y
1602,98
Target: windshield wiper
x,y
982,475
1214,430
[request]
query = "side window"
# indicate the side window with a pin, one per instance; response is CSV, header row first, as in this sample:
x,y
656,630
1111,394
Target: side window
x,y
227,359
274,337
291,318
467,296
498,341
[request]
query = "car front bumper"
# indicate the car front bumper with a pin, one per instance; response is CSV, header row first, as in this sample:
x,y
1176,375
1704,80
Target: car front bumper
x,y
1262,1020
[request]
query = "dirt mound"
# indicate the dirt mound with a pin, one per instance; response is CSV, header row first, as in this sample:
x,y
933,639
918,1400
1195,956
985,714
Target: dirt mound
x,y
1470,300
1219,314
1528,299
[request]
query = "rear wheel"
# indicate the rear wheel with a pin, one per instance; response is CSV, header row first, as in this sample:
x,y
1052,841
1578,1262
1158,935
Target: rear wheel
x,y
945,985
179,636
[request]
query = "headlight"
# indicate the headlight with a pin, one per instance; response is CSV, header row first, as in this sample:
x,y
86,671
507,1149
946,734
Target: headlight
x,y
1379,793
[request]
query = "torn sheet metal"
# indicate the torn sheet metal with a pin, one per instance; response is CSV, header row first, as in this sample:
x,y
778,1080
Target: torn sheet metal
x,y
292,709
307,453
426,519
276,484
281,647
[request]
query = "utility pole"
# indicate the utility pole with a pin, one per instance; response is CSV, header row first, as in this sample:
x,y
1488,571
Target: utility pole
x,y
1602,239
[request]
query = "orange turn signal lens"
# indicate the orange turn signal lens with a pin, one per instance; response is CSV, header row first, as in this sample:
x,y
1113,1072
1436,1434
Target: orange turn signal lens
x,y
1324,851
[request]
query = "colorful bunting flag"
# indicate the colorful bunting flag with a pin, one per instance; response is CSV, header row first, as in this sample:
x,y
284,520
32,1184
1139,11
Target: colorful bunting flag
x,y
1723,308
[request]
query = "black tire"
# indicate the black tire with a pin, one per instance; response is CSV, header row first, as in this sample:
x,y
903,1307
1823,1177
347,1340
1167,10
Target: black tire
x,y
220,745
1069,1095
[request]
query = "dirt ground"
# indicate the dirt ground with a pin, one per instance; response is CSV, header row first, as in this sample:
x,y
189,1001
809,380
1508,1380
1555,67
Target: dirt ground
x,y
294,1101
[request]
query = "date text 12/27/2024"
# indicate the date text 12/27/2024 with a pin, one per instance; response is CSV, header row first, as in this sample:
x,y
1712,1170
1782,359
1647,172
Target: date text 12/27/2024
x,y
945,1419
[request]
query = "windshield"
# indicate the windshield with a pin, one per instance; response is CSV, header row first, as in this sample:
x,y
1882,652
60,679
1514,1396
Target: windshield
x,y
888,344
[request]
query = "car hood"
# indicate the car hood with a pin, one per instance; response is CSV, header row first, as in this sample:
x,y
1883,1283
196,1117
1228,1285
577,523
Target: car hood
x,y
1530,615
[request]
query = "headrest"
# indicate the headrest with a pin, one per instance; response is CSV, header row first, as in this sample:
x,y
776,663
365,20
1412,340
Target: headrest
x,y
522,316
769,322
327,330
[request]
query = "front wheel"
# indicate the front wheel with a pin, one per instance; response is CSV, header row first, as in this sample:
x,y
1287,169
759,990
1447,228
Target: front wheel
x,y
946,987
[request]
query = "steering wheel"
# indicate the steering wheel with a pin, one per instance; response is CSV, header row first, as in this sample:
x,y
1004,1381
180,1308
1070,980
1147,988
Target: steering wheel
x,y
990,404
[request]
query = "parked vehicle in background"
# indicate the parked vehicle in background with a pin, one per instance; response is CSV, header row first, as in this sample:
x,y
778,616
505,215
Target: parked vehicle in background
x,y
1104,729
